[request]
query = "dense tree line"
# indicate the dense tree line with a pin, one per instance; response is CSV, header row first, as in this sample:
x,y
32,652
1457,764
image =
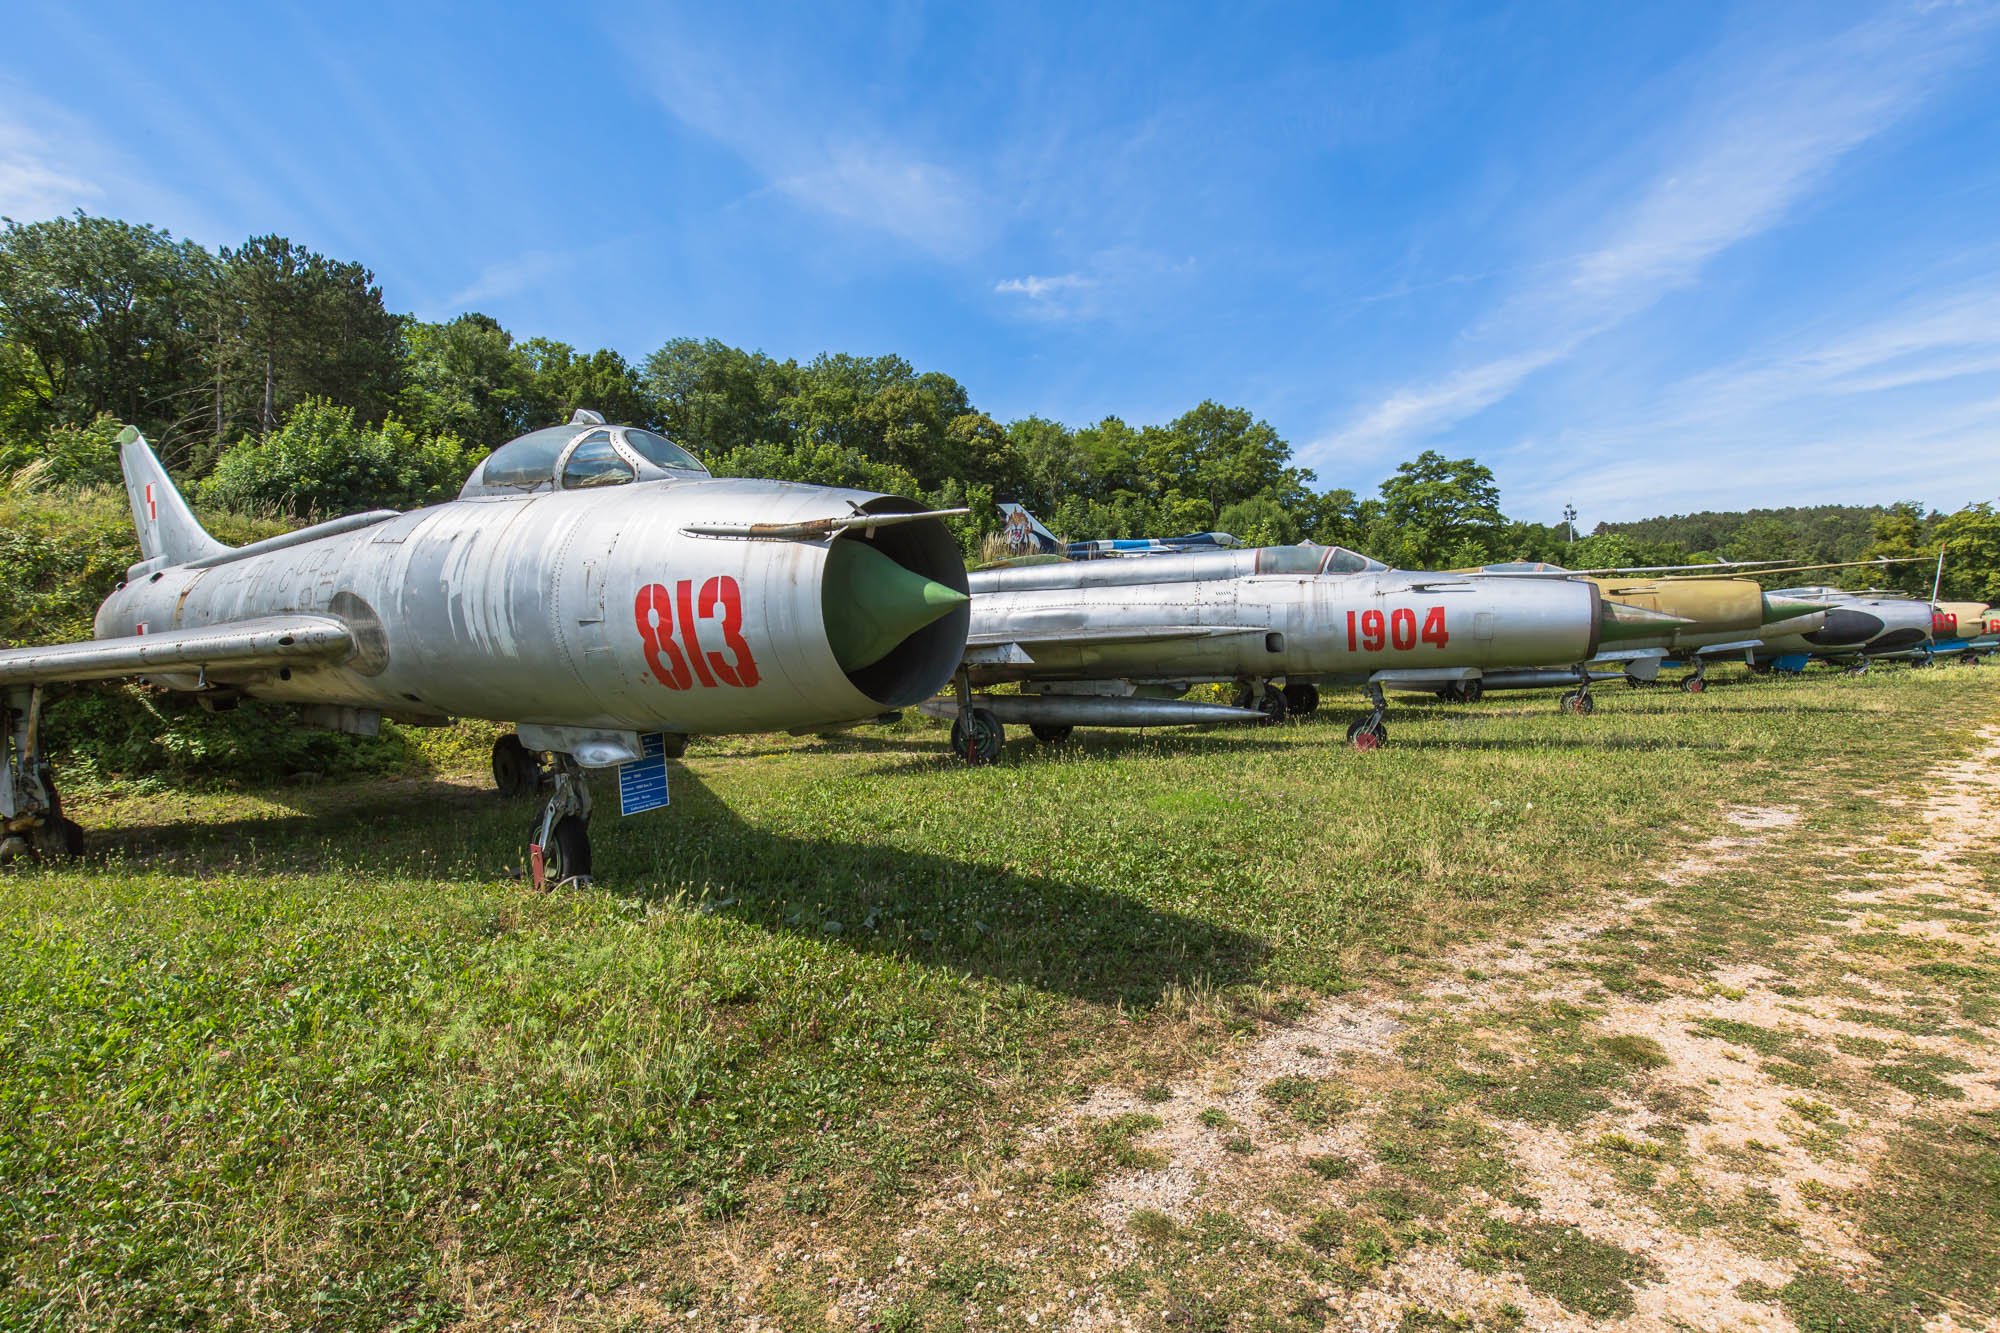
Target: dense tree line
x,y
275,378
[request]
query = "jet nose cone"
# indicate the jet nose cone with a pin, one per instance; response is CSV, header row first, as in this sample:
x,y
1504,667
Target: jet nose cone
x,y
872,603
1843,625
1617,622
1788,608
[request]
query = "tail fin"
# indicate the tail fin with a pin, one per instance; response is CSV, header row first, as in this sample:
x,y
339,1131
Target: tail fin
x,y
1024,532
167,527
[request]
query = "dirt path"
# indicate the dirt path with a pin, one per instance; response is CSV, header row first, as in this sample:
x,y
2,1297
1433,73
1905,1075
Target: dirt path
x,y
1674,1112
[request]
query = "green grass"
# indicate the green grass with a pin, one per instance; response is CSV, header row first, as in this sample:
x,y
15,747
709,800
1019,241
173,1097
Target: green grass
x,y
307,1055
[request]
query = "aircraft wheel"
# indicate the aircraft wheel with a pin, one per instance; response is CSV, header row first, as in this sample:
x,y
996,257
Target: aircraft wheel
x,y
567,854
1471,691
1301,700
674,744
59,839
515,769
1969,659
1579,703
1367,734
1634,683
976,738
1051,733
1272,705
1693,684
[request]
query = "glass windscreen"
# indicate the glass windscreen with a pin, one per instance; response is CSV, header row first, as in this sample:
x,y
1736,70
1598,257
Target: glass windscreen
x,y
595,462
1288,560
1340,560
661,451
529,461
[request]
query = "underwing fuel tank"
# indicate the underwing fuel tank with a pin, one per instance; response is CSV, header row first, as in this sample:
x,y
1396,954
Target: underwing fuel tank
x,y
652,607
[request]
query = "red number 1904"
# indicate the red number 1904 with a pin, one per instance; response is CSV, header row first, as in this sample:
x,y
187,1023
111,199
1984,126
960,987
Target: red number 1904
x,y
680,665
1373,631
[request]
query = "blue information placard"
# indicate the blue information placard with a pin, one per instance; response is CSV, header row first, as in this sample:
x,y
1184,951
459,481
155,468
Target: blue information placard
x,y
642,784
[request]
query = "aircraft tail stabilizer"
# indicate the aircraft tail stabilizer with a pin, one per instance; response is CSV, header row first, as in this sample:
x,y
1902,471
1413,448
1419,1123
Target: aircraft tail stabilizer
x,y
167,527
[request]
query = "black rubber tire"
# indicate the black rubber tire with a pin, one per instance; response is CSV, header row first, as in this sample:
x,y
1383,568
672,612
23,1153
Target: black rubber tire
x,y
1693,684
515,771
977,737
1301,700
674,744
1272,705
1366,734
1585,706
1051,733
58,840
566,855
1471,691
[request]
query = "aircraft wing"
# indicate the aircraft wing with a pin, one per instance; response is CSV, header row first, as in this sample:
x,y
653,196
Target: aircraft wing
x,y
265,641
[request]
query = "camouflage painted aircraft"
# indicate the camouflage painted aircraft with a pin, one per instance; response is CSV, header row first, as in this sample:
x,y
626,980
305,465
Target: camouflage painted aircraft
x,y
1115,643
1026,535
1719,617
591,584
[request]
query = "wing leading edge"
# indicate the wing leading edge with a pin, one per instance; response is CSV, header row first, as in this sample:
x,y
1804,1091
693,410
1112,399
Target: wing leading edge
x,y
265,641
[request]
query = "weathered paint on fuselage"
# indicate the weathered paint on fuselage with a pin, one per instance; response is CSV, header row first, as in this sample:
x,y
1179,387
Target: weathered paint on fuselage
x,y
546,609
1291,626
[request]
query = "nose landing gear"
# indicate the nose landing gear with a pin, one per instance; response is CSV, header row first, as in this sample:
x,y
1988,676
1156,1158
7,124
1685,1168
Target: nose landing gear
x,y
1369,733
559,843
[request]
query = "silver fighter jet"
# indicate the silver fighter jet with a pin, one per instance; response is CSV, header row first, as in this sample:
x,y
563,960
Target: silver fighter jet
x,y
1116,642
592,584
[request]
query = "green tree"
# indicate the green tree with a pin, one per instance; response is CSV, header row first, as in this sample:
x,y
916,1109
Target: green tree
x,y
101,316
602,382
1901,534
1439,510
1259,521
466,377
1971,540
295,324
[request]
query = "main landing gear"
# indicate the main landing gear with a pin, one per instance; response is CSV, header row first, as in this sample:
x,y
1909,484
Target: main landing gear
x,y
1370,733
31,817
1301,700
559,842
1272,702
1464,691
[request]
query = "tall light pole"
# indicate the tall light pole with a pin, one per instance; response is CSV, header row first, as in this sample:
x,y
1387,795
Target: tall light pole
x,y
1569,520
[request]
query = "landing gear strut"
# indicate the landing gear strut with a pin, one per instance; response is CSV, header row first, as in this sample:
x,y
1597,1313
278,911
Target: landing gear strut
x,y
31,817
559,843
1697,682
1270,701
1369,733
1578,700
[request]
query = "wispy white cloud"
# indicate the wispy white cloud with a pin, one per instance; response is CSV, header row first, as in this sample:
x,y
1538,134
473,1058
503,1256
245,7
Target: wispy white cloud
x,y
1041,289
32,187
811,149
1738,164
510,277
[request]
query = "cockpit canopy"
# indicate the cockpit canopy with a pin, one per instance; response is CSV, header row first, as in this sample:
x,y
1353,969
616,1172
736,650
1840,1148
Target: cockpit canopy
x,y
585,453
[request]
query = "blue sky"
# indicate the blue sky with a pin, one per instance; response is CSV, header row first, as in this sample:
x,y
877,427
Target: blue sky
x,y
1646,258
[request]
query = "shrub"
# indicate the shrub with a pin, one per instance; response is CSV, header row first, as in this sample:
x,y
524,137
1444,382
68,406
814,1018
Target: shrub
x,y
320,462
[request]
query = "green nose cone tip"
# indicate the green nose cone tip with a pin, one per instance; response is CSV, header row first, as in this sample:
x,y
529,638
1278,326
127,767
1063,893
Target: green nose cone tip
x,y
1617,622
1784,608
872,603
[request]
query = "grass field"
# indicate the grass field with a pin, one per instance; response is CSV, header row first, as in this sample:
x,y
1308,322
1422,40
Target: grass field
x,y
315,1056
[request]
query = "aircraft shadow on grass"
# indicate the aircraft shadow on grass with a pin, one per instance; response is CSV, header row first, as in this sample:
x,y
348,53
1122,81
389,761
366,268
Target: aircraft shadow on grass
x,y
964,912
